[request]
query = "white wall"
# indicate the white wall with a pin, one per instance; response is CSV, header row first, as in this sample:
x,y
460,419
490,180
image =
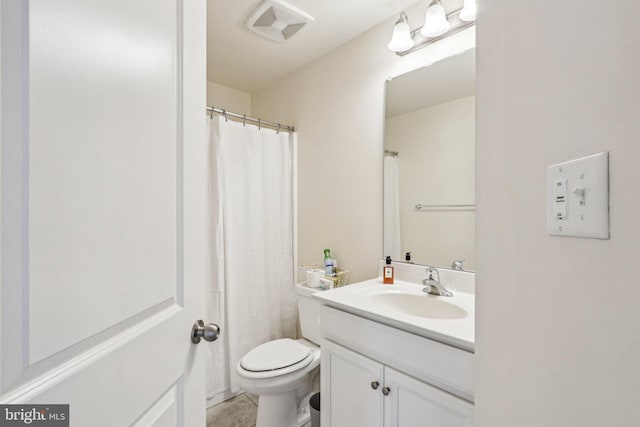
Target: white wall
x,y
558,341
436,148
228,98
336,104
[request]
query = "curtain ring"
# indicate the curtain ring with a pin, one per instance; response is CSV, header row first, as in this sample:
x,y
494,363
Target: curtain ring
x,y
244,120
211,115
278,131
224,114
259,124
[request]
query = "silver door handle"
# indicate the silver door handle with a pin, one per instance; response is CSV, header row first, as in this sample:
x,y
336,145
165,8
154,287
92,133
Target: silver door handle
x,y
210,332
386,391
375,385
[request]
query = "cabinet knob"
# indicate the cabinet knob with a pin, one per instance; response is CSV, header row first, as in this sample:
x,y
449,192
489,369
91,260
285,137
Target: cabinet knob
x,y
386,391
375,385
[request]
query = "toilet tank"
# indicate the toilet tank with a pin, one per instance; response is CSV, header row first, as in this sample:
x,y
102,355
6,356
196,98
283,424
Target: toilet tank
x,y
309,313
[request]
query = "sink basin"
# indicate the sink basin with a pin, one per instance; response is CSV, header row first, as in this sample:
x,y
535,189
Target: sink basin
x,y
403,305
419,305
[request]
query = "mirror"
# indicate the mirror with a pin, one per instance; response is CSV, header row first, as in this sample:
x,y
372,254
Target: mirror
x,y
429,164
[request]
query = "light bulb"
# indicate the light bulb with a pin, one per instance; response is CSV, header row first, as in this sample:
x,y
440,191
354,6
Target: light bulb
x,y
401,39
435,21
468,12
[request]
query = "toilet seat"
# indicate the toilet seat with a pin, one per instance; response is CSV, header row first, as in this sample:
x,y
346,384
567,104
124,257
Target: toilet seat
x,y
275,358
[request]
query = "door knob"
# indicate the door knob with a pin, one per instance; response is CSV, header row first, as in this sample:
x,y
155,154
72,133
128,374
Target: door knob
x,y
386,391
209,332
374,385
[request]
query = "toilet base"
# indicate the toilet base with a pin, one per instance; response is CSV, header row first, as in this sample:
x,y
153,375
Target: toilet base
x,y
277,410
270,407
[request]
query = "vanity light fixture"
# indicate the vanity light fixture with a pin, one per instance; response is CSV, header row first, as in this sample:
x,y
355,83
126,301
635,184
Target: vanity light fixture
x,y
468,12
435,21
401,39
436,26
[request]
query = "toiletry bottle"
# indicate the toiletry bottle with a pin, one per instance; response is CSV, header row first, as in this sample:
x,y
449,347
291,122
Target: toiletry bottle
x,y
407,258
387,274
328,263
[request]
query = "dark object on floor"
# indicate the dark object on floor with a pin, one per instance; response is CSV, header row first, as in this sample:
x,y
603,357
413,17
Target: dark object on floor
x,y
314,403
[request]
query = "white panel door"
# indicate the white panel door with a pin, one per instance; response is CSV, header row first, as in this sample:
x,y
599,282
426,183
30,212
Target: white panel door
x,y
412,403
103,208
351,387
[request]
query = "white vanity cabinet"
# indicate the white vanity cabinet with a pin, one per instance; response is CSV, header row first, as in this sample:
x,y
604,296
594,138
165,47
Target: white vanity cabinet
x,y
413,403
354,388
400,381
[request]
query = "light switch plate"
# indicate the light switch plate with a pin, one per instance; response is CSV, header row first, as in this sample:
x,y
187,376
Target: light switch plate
x,y
584,210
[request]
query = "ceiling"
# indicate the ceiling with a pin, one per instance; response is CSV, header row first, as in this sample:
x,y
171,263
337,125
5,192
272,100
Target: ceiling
x,y
452,78
240,59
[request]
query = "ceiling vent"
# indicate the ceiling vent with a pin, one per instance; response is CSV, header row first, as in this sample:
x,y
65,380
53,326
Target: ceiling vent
x,y
277,20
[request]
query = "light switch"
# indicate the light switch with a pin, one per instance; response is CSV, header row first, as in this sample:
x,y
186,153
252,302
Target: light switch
x,y
578,197
560,199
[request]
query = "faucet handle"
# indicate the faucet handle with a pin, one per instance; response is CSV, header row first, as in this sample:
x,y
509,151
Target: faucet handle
x,y
458,264
431,271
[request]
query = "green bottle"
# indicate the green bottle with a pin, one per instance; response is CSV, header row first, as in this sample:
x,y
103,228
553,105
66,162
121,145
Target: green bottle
x,y
328,263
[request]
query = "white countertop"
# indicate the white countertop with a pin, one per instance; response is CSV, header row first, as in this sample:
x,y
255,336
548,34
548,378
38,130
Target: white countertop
x,y
355,299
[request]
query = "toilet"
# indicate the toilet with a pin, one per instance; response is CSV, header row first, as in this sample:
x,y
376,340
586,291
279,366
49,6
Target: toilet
x,y
281,371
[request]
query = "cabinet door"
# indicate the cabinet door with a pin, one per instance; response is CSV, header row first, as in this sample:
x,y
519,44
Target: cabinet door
x,y
412,403
349,399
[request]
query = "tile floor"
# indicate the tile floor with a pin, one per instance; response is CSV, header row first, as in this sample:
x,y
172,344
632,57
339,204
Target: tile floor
x,y
239,411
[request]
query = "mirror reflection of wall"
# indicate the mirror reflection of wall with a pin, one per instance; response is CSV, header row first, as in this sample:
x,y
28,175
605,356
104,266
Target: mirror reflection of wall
x,y
429,164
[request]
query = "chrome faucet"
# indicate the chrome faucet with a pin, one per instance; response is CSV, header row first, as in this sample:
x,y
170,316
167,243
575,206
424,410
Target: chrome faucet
x,y
432,284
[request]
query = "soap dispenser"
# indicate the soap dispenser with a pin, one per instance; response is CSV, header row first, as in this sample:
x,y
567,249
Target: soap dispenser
x,y
387,276
407,258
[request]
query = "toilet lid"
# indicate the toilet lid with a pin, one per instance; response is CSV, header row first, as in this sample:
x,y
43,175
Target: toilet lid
x,y
274,355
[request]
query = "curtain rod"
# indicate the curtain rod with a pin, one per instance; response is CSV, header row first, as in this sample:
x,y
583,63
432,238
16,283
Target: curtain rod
x,y
244,119
391,153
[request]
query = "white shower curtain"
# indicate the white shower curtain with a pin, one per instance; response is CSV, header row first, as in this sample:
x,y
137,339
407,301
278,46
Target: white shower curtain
x,y
252,295
392,241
